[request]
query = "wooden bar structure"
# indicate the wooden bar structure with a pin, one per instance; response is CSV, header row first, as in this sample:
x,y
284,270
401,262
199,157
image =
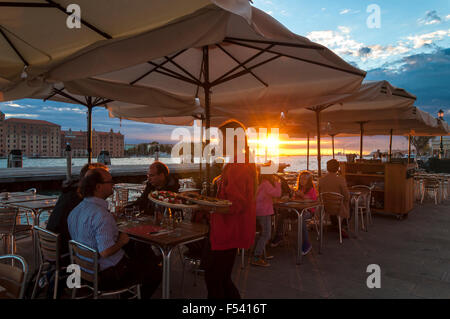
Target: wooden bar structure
x,y
393,191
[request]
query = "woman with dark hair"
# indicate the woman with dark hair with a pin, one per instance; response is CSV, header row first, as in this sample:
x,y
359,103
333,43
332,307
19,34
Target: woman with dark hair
x,y
236,228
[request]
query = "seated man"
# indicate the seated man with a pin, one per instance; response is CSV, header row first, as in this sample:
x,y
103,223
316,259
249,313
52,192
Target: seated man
x,y
158,178
331,182
67,201
91,223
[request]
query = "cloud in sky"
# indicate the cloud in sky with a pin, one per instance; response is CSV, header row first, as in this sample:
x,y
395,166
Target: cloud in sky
x,y
348,11
8,115
426,75
370,56
431,17
428,38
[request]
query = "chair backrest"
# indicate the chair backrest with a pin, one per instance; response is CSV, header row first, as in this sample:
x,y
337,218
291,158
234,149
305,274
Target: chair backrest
x,y
431,182
332,202
87,259
121,197
12,278
8,217
365,190
49,245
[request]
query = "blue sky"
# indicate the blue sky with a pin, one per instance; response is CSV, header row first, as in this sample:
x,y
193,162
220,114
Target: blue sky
x,y
411,49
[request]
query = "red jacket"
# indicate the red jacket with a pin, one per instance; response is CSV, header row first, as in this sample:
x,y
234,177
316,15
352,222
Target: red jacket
x,y
235,229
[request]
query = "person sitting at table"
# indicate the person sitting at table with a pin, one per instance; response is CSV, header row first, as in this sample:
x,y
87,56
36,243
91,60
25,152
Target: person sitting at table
x,y
331,182
68,200
269,188
158,178
304,190
90,223
236,228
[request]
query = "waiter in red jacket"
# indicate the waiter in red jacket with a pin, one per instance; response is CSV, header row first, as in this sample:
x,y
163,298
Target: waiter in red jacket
x,y
235,229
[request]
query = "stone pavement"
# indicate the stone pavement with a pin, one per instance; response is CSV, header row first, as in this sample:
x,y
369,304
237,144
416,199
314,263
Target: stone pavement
x,y
413,254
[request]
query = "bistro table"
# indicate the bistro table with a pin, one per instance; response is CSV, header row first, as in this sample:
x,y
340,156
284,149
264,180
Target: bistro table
x,y
36,207
300,206
25,198
145,230
130,186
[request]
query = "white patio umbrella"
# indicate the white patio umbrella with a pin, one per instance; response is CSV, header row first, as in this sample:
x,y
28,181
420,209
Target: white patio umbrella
x,y
244,63
37,34
374,101
409,122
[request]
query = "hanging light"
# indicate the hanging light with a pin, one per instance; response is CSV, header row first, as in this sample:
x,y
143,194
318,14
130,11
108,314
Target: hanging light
x,y
441,114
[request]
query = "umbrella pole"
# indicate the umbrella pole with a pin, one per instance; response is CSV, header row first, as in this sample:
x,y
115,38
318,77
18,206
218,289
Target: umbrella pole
x,y
390,146
201,147
206,88
332,144
319,166
361,125
89,129
409,147
307,151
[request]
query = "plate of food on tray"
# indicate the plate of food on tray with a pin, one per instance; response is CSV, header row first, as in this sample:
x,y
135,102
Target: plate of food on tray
x,y
171,200
206,200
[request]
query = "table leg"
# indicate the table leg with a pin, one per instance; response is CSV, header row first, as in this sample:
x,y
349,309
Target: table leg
x,y
34,238
166,273
356,216
299,236
321,230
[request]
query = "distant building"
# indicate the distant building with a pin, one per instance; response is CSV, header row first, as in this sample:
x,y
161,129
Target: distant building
x,y
129,146
33,137
77,141
101,141
436,146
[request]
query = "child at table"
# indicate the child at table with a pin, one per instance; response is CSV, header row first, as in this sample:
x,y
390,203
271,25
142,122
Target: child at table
x,y
269,188
305,190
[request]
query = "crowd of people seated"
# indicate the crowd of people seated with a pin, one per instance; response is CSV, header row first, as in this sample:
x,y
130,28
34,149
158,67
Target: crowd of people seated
x,y
81,214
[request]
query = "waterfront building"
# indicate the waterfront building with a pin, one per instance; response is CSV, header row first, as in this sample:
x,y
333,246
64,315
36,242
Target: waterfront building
x,y
35,138
101,141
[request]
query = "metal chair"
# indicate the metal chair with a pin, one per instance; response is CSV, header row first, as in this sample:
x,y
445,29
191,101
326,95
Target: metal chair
x,y
12,278
87,259
364,204
192,261
9,228
49,248
430,184
332,204
120,198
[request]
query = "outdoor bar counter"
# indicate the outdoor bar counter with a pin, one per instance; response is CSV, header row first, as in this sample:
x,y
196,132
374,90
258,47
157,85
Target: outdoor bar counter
x,y
393,184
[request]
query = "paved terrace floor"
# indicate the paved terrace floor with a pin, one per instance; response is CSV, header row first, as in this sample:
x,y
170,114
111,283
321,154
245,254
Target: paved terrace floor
x,y
414,256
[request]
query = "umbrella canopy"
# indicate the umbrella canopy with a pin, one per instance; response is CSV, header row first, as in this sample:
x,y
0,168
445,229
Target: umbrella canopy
x,y
36,34
373,101
240,63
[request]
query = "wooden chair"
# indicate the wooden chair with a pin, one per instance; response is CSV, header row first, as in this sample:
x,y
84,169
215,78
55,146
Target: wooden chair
x,y
9,228
49,248
87,259
332,204
13,279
